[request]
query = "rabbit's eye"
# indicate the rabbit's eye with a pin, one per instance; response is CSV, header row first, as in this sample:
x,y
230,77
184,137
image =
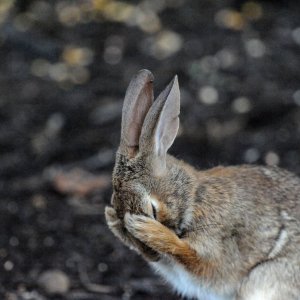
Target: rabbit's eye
x,y
154,211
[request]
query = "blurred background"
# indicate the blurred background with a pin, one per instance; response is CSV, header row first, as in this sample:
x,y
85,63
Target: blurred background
x,y
64,69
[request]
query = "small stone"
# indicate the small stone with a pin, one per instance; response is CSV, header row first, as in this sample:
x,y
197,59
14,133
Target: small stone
x,y
76,56
118,11
58,72
68,15
229,18
252,10
251,155
8,265
296,35
147,20
209,64
208,95
241,105
112,55
272,158
165,44
54,282
255,48
226,58
14,241
296,97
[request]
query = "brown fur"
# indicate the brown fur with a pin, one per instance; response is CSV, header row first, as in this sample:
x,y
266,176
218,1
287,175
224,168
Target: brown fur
x,y
163,240
221,225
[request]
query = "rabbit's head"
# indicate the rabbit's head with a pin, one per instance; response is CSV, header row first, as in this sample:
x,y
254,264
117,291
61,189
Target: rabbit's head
x,y
145,179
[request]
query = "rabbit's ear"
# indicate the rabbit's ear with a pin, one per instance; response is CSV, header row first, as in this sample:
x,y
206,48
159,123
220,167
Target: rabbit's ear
x,y
138,100
161,125
168,121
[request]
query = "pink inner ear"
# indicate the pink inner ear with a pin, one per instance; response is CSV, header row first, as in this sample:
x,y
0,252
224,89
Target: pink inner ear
x,y
138,114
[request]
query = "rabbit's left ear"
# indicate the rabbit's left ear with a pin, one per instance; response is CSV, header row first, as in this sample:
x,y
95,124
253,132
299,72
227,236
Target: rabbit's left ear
x,y
161,125
138,100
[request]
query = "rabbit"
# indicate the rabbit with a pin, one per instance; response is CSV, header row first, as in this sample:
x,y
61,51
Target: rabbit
x,y
222,233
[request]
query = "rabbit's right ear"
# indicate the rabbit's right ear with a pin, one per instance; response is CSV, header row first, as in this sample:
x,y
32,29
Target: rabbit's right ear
x,y
137,102
161,126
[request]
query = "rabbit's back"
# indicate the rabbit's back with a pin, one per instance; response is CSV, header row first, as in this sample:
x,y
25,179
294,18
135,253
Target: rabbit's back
x,y
260,185
263,199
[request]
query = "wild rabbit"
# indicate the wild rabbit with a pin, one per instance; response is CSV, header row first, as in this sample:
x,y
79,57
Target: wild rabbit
x,y
223,233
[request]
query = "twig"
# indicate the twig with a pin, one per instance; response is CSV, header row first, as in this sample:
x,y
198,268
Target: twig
x,y
89,286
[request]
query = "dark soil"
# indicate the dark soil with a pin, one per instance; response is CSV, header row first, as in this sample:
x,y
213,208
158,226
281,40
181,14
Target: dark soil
x,y
239,72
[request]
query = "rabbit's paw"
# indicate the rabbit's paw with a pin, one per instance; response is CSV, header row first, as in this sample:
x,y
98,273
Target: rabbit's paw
x,y
111,217
152,233
115,225
117,228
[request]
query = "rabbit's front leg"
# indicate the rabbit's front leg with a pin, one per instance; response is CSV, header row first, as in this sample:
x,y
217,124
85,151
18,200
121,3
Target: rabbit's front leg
x,y
117,228
163,240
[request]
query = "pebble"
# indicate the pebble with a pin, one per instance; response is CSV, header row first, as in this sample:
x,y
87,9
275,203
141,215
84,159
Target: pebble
x,y
296,35
272,158
251,155
252,10
241,105
8,265
296,97
54,282
226,58
255,48
165,44
229,18
208,95
76,56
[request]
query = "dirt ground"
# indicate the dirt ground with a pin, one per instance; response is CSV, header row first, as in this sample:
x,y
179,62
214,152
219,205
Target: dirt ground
x,y
64,69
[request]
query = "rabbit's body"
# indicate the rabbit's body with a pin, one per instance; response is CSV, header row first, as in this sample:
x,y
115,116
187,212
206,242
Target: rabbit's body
x,y
246,229
224,233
